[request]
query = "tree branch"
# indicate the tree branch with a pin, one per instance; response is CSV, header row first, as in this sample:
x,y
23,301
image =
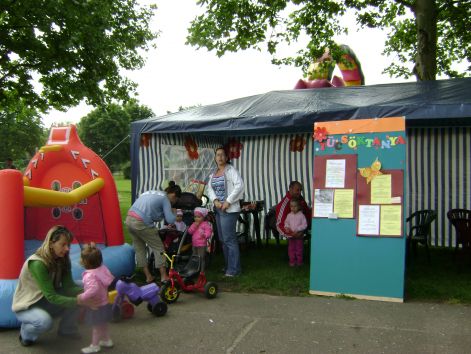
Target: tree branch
x,y
406,3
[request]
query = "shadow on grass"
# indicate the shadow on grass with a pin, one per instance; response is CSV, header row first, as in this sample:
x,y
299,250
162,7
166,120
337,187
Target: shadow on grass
x,y
446,278
264,270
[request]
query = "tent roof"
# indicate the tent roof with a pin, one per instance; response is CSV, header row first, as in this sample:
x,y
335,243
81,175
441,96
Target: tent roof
x,y
430,103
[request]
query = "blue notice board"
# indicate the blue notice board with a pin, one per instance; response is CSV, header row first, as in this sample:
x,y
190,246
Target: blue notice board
x,y
358,225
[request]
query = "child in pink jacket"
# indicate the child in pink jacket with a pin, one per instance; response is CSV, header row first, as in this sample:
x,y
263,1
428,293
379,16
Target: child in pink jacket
x,y
96,280
201,232
295,224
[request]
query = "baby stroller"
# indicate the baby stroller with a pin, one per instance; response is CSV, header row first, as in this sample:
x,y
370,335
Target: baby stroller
x,y
173,240
187,276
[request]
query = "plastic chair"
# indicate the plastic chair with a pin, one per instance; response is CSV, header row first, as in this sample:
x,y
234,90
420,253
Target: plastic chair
x,y
420,229
270,226
461,220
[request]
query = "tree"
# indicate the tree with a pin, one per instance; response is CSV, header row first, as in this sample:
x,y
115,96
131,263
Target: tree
x,y
20,134
106,130
55,53
428,36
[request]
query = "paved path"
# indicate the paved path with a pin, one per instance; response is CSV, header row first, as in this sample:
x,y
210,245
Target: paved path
x,y
242,323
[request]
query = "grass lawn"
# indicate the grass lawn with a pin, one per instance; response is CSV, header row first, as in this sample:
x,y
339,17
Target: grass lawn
x,y
445,279
266,270
124,195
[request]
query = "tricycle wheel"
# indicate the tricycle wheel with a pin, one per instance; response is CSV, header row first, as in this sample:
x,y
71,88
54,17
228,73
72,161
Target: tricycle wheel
x,y
210,290
127,310
159,309
169,293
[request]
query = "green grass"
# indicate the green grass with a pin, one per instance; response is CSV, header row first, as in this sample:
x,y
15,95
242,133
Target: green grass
x,y
445,279
265,270
124,196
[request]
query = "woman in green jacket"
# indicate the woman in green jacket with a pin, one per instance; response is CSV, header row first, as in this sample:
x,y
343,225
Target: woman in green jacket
x,y
46,290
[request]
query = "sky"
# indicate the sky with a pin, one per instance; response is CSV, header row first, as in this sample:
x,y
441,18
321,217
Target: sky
x,y
179,75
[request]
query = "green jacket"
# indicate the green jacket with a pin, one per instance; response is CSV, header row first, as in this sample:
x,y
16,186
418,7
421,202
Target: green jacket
x,y
36,282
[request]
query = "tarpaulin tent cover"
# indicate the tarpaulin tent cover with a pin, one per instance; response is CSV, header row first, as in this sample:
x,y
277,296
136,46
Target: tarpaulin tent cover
x,y
430,103
438,145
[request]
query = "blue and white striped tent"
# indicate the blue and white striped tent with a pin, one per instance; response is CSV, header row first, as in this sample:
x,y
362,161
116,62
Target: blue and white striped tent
x,y
438,123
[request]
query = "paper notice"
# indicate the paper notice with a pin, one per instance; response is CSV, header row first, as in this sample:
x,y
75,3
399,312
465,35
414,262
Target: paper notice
x,y
335,174
343,203
381,190
390,220
323,202
368,220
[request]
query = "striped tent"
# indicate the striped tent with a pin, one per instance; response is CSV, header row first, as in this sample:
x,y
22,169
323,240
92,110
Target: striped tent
x,y
438,121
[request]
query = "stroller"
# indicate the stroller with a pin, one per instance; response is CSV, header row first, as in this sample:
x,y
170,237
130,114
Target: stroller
x,y
187,275
176,242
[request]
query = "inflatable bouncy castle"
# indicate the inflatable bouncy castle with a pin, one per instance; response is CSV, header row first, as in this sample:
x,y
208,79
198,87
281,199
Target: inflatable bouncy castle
x,y
66,184
319,73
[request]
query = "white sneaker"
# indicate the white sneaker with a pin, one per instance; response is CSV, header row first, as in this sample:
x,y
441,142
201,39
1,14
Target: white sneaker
x,y
91,349
106,343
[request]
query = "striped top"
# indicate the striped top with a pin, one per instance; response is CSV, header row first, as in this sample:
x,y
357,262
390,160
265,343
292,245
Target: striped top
x,y
218,184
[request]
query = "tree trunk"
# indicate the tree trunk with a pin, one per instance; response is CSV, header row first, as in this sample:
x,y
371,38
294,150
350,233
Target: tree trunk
x,y
426,58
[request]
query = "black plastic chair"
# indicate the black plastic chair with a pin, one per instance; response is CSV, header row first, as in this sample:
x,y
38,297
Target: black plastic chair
x,y
270,226
461,220
420,229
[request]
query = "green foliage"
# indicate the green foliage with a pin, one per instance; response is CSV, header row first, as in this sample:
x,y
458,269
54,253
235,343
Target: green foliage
x,y
427,37
106,130
75,50
126,170
20,134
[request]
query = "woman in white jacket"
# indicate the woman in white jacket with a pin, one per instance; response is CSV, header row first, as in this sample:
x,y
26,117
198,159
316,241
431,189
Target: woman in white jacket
x,y
226,189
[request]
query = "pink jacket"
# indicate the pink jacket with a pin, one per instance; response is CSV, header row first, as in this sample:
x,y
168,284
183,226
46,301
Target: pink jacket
x,y
200,233
296,222
95,284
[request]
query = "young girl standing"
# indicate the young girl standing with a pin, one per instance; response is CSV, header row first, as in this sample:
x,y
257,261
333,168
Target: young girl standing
x,y
201,232
96,280
295,224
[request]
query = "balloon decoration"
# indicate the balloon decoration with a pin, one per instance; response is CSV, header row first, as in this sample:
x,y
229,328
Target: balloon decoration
x,y
145,140
320,134
320,71
191,148
297,144
233,148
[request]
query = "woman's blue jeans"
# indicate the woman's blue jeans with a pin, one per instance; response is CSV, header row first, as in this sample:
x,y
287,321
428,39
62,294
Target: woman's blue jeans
x,y
37,320
226,225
